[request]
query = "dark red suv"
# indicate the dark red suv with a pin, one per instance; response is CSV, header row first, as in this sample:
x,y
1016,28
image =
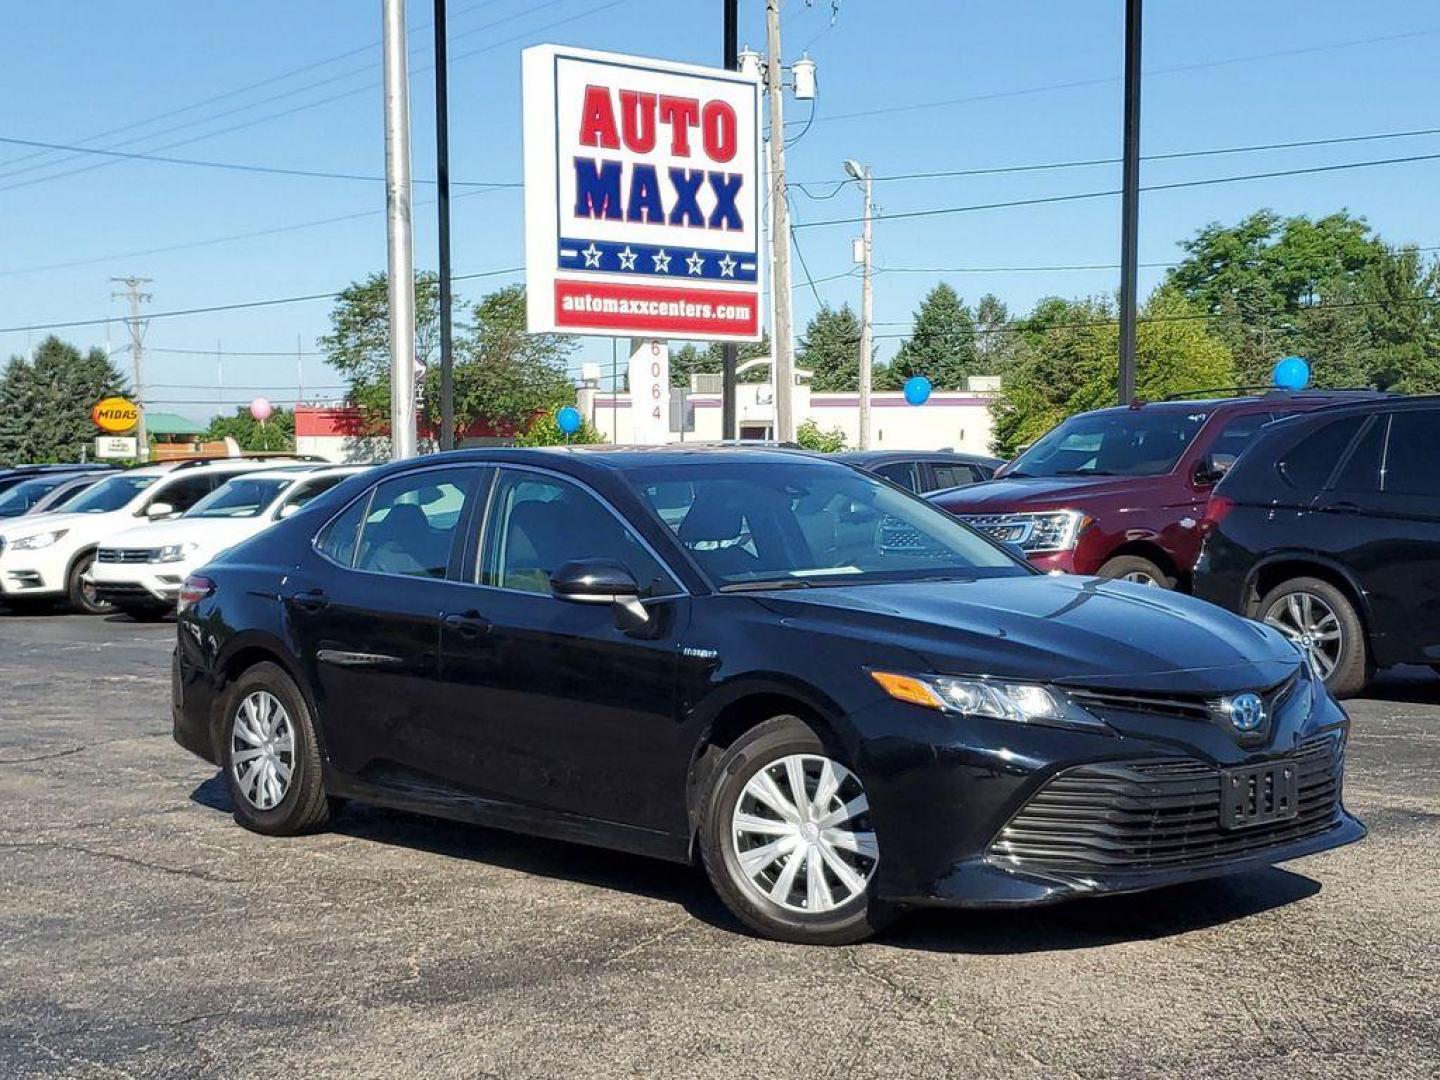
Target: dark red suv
x,y
1121,492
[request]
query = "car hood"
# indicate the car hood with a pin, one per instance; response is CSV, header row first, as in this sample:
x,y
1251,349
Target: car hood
x,y
78,524
1037,492
1076,631
211,534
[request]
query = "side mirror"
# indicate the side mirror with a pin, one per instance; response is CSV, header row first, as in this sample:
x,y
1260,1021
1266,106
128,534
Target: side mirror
x,y
287,510
599,581
1213,468
156,511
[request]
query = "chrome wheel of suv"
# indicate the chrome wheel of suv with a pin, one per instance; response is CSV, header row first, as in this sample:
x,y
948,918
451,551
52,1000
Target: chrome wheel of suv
x,y
1308,620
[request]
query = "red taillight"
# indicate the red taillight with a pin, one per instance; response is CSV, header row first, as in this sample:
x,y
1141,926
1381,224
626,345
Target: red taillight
x,y
1216,511
195,589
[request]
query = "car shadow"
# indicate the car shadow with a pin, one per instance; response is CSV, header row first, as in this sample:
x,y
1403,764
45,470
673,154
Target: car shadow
x,y
130,620
1080,924
1409,684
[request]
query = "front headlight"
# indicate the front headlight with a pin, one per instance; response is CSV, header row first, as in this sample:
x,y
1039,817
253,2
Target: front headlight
x,y
1050,530
38,540
1022,703
175,552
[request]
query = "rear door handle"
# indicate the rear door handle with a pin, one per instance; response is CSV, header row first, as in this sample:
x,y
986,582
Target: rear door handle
x,y
314,600
1341,508
469,624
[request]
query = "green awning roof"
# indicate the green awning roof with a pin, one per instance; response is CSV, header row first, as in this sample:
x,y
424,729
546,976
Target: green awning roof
x,y
169,423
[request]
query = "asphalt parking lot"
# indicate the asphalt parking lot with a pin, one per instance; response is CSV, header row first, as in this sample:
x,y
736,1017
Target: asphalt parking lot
x,y
142,933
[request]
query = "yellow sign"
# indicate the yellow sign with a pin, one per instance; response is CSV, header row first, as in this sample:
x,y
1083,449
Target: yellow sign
x,y
115,414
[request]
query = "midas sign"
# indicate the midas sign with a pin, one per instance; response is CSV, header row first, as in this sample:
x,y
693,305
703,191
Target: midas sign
x,y
115,414
642,200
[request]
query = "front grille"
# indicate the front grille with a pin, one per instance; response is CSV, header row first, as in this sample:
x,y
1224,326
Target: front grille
x,y
127,555
1155,814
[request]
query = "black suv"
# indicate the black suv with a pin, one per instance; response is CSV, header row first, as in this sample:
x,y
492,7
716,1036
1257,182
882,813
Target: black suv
x,y
1328,529
923,473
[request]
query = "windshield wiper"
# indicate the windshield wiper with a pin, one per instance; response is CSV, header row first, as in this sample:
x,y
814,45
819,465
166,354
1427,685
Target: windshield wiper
x,y
762,586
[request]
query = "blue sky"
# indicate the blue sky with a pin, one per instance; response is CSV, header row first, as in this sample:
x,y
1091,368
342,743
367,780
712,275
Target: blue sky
x,y
907,85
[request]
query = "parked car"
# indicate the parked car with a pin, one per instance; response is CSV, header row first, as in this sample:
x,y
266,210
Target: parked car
x,y
33,495
1120,492
139,571
50,556
521,638
18,474
923,472
1328,529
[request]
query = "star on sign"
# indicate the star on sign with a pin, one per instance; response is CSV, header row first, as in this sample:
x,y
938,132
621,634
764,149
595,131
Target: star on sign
x,y
592,255
696,263
727,267
627,258
662,261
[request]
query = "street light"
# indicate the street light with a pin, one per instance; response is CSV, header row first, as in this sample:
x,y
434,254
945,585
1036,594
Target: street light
x,y
861,175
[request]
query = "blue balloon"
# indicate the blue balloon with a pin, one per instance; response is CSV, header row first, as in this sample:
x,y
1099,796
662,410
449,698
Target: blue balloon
x,y
567,419
917,389
1292,373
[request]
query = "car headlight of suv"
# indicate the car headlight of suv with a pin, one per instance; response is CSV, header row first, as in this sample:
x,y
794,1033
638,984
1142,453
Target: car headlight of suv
x,y
36,541
1048,530
1021,703
175,552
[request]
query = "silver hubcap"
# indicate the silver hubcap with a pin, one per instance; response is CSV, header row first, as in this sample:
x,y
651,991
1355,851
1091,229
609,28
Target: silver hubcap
x,y
1308,621
262,750
801,834
1139,577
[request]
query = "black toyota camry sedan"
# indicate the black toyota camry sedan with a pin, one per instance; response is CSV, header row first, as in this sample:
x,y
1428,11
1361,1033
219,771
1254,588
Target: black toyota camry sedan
x,y
715,655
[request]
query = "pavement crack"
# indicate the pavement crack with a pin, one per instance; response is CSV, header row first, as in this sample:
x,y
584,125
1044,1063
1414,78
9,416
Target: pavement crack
x,y
645,943
180,871
896,987
43,757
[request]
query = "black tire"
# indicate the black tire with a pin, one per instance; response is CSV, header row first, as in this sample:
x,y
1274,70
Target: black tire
x,y
144,612
855,920
1131,566
1352,669
82,599
304,806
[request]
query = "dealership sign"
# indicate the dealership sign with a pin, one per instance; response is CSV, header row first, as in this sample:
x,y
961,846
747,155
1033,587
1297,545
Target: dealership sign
x,y
115,414
642,197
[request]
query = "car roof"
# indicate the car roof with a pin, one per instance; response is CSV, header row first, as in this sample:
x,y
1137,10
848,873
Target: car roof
x,y
305,472
1386,402
1319,398
880,457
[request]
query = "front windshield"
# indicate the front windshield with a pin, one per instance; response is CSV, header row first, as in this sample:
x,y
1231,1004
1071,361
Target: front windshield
x,y
110,494
243,497
22,497
1135,442
810,523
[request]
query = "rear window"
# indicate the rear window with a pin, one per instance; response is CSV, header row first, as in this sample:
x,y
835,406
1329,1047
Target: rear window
x,y
1309,463
1412,458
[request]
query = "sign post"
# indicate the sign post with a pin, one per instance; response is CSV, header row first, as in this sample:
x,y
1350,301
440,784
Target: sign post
x,y
642,200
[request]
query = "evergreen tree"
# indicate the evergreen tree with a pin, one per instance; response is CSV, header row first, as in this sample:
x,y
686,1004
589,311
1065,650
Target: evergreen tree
x,y
941,345
46,401
831,349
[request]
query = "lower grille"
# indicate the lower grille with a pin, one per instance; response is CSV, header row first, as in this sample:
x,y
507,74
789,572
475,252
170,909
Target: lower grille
x,y
1156,814
127,555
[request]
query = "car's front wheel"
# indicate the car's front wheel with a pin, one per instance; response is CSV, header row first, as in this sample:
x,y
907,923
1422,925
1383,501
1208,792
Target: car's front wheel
x,y
80,588
787,839
271,757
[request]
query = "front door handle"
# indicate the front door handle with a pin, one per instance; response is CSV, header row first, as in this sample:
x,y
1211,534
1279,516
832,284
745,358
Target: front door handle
x,y
1341,508
314,600
469,624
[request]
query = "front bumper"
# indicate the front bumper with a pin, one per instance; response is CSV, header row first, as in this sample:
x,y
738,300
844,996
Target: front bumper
x,y
149,584
32,573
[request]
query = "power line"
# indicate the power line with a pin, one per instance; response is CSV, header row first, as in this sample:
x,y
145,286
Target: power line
x,y
1051,268
1081,195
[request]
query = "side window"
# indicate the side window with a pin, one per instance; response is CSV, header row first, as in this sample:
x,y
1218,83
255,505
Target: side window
x,y
185,492
900,472
1360,472
308,490
1236,434
411,522
337,540
538,523
1412,456
1309,463
951,474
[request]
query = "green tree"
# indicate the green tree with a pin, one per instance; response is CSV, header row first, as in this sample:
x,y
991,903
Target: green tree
x,y
276,433
811,436
831,349
1069,362
996,344
941,345
358,345
689,359
544,430
45,402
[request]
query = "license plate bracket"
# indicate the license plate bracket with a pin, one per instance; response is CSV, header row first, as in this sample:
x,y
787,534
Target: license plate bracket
x,y
1259,794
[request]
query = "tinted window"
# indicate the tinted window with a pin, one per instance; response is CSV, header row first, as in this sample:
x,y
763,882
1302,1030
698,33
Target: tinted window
x,y
411,522
538,523
949,475
1309,463
1136,442
798,522
310,489
899,472
110,494
1237,433
1412,457
337,540
1360,472
180,495
23,496
241,497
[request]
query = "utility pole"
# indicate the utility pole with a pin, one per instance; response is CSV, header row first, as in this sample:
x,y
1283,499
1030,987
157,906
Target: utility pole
x,y
867,298
442,204
729,352
299,371
399,241
784,366
137,352
1130,202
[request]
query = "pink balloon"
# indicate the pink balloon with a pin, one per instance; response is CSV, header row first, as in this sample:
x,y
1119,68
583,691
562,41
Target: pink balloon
x,y
261,409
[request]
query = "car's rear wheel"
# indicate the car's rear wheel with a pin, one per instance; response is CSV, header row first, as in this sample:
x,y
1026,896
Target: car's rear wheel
x,y
1322,621
787,839
1137,569
80,588
271,758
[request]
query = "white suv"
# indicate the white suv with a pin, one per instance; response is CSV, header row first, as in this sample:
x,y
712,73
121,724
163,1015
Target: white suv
x,y
50,555
140,571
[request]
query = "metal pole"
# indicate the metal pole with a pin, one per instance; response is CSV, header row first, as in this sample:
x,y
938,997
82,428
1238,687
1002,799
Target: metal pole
x,y
729,352
137,355
1130,202
400,245
867,313
442,182
784,367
